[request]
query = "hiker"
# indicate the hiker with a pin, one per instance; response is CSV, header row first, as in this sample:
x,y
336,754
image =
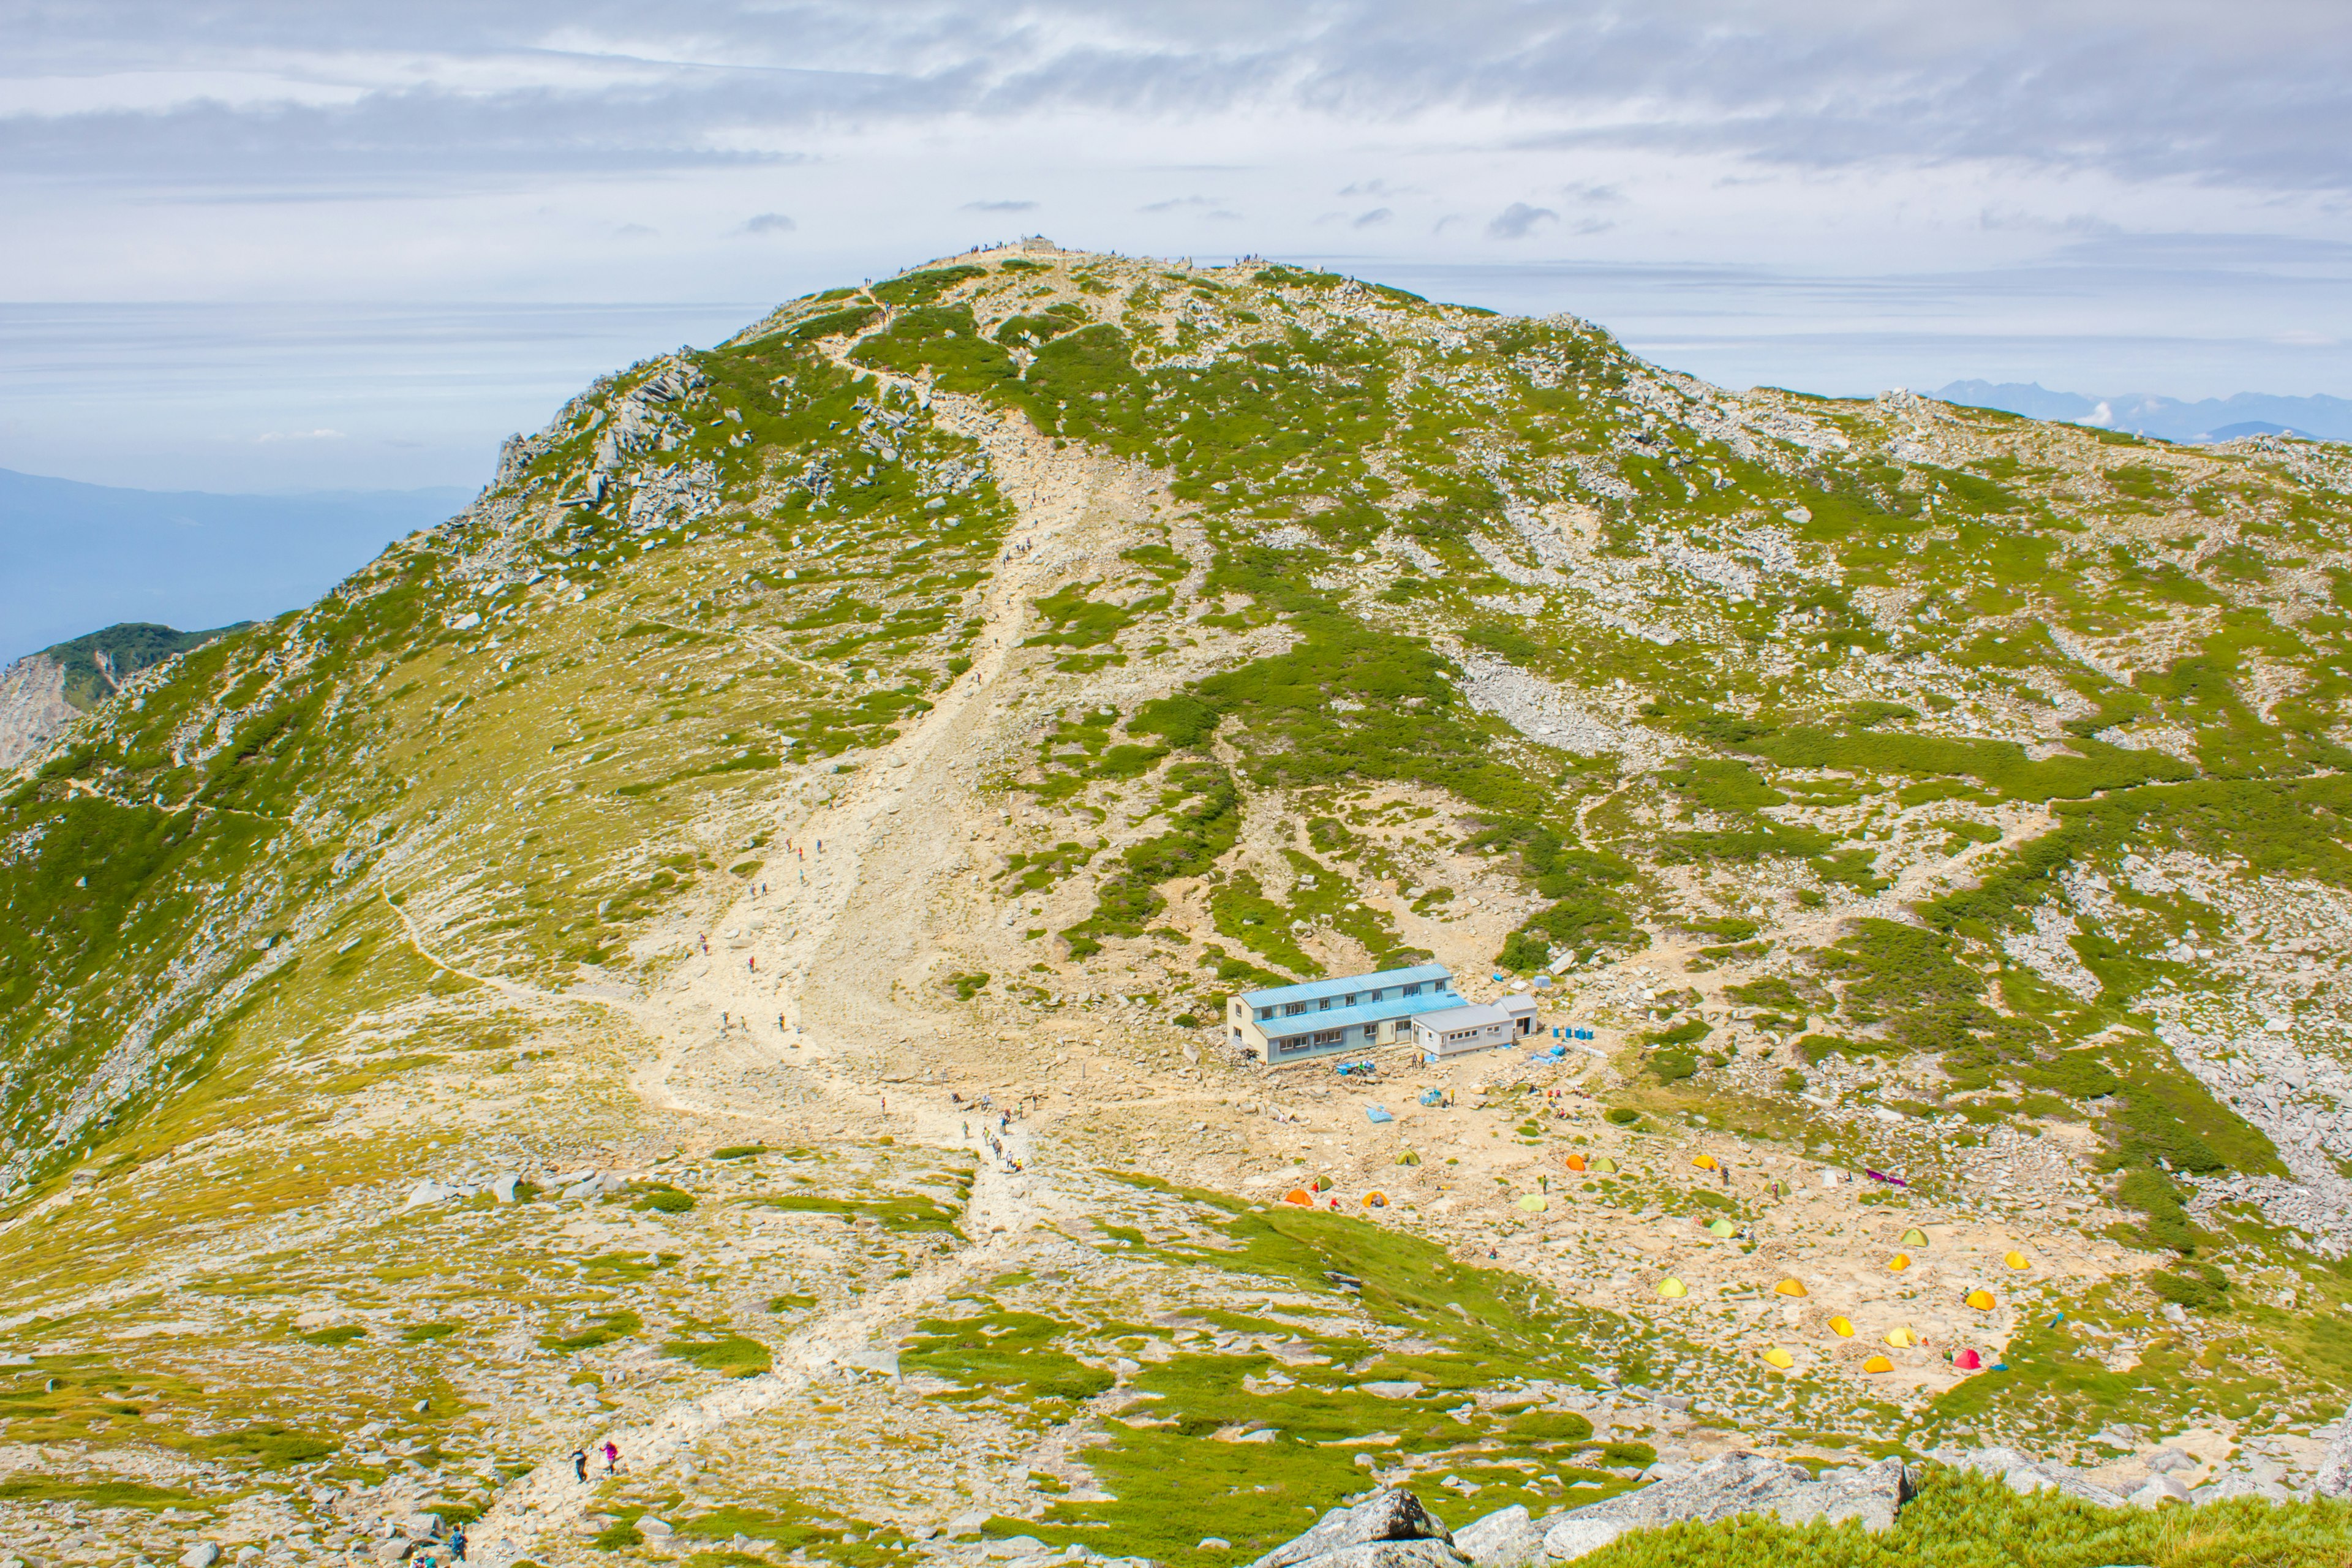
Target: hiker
x,y
706,945
580,1465
753,963
456,1543
612,1457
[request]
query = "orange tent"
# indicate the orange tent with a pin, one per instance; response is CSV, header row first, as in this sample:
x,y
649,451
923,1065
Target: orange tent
x,y
1376,1199
1301,1196
1898,1263
1575,1162
1791,1287
1878,1363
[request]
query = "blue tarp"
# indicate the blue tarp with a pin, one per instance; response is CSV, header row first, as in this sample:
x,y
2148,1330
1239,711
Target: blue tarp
x,y
1377,1114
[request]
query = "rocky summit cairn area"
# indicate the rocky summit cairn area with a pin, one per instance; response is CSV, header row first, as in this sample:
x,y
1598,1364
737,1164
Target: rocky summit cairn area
x,y
700,1012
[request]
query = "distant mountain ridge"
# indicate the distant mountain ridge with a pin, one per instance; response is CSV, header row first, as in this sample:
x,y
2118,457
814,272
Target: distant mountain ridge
x,y
82,555
2322,418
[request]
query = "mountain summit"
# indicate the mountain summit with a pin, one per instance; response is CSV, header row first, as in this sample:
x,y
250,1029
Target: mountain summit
x,y
725,947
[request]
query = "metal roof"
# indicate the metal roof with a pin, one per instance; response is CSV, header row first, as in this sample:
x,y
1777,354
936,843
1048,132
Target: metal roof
x,y
1281,1028
1474,1015
1316,990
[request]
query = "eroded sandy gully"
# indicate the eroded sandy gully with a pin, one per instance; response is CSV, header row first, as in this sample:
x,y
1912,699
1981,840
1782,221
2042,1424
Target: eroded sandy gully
x,y
815,997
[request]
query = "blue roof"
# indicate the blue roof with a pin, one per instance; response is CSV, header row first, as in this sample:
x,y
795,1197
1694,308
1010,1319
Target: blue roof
x,y
1316,990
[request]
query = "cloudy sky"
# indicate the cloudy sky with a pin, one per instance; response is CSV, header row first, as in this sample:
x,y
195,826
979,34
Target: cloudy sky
x,y
257,243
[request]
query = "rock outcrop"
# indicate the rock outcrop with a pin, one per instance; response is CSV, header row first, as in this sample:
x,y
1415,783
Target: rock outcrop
x,y
2026,1475
1737,1483
1390,1528
33,707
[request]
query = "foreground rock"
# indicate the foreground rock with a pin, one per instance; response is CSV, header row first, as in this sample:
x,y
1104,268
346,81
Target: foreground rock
x,y
2025,1475
1390,1528
1737,1483
2335,1478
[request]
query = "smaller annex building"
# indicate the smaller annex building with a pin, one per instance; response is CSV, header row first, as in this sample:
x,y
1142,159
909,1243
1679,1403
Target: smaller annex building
x,y
1352,1013
1477,1027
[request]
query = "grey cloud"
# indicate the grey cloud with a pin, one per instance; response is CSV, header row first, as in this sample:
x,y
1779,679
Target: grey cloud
x,y
999,206
1520,220
2146,91
1367,220
769,223
1177,203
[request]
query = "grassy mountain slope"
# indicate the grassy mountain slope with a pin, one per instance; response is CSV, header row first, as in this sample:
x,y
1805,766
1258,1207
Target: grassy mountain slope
x,y
956,687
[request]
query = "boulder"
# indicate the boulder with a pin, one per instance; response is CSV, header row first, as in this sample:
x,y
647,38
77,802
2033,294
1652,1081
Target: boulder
x,y
203,1554
2159,1488
428,1192
503,1187
1392,1554
1387,1519
591,1185
2335,1478
656,1531
1570,1538
422,1526
1741,1482
2238,1483
2170,1461
1505,1538
2024,1474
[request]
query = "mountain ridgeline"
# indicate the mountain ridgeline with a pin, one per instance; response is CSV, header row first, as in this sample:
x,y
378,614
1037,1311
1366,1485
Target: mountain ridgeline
x,y
1886,782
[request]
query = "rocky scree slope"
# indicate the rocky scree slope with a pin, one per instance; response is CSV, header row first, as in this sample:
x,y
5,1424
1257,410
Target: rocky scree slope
x,y
542,989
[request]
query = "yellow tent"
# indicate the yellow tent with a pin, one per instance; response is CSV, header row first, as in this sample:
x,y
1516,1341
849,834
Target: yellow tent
x,y
1706,1162
2018,1260
1604,1164
1778,1357
1376,1199
1721,1228
1901,1339
1408,1158
1982,1300
1779,1189
1898,1263
1842,1327
1535,1203
1878,1363
1915,1236
1673,1289
1791,1287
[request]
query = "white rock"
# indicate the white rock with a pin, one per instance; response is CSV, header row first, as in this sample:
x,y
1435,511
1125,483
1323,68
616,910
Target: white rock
x,y
203,1554
2157,1490
1506,1538
427,1192
1571,1538
1214,1543
503,1188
